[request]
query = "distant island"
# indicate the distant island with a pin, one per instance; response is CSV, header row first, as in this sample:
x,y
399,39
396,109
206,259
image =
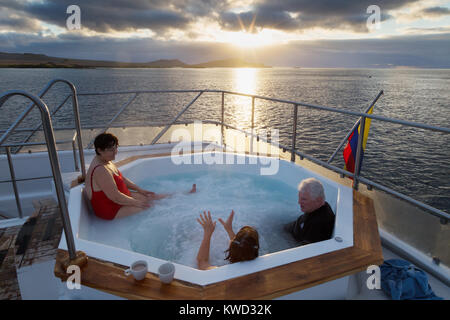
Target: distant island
x,y
31,60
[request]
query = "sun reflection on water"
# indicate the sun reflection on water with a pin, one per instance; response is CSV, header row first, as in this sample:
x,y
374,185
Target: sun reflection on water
x,y
244,81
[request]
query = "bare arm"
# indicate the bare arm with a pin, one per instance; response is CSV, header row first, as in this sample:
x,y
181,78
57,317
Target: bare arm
x,y
203,251
103,178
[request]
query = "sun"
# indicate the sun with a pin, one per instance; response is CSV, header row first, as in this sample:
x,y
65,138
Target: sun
x,y
244,39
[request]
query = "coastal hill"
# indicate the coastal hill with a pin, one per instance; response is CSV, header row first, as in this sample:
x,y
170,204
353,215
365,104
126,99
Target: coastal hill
x,y
31,60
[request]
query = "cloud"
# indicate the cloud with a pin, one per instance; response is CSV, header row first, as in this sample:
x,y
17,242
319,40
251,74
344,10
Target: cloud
x,y
436,11
263,17
162,16
106,16
10,20
299,15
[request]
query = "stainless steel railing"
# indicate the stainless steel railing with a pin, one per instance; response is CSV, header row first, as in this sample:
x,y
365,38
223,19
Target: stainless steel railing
x,y
54,161
76,115
12,172
444,216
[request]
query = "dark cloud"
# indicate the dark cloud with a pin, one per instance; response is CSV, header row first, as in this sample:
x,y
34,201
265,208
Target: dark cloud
x,y
104,16
304,14
436,11
163,15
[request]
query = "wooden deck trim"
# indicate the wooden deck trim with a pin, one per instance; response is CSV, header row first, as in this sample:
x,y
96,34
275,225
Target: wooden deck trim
x,y
266,284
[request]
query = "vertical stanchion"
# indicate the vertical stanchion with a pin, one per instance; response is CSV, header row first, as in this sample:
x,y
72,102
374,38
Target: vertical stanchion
x,y
294,132
253,124
14,183
223,119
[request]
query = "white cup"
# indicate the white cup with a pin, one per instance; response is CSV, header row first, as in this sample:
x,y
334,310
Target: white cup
x,y
166,272
138,269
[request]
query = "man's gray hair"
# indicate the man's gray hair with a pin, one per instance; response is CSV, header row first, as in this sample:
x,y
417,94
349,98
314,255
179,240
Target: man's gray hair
x,y
313,186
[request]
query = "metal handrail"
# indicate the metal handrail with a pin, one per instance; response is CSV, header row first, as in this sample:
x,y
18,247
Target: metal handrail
x,y
354,113
36,128
76,117
160,134
296,104
54,162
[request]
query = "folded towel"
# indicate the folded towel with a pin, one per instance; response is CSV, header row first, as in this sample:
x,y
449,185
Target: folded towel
x,y
402,280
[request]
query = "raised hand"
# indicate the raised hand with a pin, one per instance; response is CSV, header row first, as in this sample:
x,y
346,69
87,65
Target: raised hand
x,y
228,225
207,223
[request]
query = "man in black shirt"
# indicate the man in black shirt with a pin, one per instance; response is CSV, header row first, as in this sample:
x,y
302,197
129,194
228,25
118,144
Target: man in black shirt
x,y
317,222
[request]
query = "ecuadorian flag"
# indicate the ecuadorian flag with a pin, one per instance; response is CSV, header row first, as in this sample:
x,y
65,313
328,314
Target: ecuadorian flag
x,y
352,145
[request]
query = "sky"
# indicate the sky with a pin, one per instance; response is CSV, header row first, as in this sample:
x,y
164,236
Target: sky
x,y
282,33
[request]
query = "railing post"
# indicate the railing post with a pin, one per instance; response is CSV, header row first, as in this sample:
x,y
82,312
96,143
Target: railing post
x,y
75,153
294,132
223,118
13,178
76,112
253,124
359,152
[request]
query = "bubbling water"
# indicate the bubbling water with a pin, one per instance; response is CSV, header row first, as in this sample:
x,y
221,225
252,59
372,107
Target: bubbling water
x,y
169,229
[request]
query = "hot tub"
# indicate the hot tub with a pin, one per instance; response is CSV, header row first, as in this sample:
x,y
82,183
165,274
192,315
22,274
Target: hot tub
x,y
95,243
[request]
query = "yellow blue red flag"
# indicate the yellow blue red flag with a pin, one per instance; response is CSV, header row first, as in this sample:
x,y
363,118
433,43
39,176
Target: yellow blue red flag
x,y
352,145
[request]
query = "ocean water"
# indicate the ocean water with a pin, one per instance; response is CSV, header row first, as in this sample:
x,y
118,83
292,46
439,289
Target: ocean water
x,y
409,160
169,230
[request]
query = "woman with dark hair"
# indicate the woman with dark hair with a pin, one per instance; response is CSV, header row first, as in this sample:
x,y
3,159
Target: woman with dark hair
x,y
243,246
108,190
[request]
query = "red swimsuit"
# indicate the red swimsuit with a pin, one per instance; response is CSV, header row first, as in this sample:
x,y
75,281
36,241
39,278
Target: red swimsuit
x,y
104,207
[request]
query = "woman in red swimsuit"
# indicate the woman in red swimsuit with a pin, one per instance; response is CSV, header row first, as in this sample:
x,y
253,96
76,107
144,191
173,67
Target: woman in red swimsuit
x,y
108,190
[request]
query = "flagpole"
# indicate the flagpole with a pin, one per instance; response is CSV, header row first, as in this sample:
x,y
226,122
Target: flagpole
x,y
353,128
359,151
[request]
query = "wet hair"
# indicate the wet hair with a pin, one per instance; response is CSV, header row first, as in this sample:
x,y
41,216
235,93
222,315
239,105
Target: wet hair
x,y
244,246
104,141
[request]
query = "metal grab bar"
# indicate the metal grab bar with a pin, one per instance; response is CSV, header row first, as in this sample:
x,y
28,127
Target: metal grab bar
x,y
76,117
54,162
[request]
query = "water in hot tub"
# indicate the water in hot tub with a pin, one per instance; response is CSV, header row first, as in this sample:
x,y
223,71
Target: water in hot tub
x,y
169,229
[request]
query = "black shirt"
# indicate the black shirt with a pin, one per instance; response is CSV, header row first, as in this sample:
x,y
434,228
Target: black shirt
x,y
314,226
